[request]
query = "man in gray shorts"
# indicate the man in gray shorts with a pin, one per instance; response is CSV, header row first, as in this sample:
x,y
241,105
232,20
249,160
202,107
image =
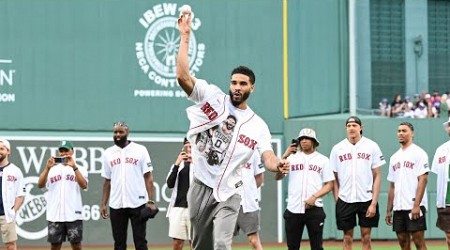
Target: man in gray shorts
x,y
248,219
440,166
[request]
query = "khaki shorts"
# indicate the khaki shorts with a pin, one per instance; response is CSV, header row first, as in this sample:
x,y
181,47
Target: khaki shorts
x,y
443,219
179,223
8,230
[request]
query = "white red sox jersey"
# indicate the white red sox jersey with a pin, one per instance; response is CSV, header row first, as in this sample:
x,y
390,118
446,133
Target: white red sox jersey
x,y
354,164
307,174
250,191
12,187
440,166
250,133
63,194
405,166
125,167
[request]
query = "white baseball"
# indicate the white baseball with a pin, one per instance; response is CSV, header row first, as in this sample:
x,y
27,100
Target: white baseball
x,y
185,10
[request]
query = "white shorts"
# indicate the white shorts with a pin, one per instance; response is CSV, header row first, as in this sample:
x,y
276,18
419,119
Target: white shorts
x,y
179,223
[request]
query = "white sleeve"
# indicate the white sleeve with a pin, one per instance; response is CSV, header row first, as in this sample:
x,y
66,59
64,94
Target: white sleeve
x,y
147,162
436,165
106,170
199,91
258,165
20,189
423,164
333,160
327,173
378,158
264,140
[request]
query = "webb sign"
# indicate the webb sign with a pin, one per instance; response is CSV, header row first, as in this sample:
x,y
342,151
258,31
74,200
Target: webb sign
x,y
31,154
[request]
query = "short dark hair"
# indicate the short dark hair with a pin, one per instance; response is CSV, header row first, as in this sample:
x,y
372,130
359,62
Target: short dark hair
x,y
245,71
408,124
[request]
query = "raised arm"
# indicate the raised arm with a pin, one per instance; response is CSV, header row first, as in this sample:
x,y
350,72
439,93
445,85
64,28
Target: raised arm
x,y
184,77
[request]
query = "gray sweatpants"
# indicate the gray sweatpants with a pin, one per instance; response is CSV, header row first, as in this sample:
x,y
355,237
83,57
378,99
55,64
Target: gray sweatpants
x,y
212,222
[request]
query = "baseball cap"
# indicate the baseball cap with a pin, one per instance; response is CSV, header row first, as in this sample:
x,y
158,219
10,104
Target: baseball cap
x,y
384,99
446,124
308,133
6,143
354,119
65,144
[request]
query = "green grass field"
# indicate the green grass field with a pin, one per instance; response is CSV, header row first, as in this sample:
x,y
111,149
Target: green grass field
x,y
329,245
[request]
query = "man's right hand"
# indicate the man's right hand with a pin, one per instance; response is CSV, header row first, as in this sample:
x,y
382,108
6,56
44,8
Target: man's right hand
x,y
184,24
183,156
50,163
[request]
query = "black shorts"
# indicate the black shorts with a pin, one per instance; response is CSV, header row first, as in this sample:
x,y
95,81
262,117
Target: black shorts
x,y
402,223
58,231
346,215
443,219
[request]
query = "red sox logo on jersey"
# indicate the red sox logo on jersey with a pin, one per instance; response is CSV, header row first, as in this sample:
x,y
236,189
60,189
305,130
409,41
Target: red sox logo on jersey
x,y
441,159
406,164
247,141
128,160
311,167
11,178
348,156
209,111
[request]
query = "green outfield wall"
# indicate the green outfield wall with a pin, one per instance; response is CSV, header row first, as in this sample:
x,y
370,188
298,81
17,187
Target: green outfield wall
x,y
30,151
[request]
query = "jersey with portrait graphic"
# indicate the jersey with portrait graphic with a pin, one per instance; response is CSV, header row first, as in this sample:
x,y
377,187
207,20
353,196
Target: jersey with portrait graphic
x,y
405,166
354,165
307,174
125,167
250,133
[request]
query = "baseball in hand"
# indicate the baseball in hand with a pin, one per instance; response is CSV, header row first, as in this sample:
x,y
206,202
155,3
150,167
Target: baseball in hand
x,y
185,10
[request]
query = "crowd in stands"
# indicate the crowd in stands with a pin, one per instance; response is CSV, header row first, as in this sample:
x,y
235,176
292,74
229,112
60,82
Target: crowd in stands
x,y
421,106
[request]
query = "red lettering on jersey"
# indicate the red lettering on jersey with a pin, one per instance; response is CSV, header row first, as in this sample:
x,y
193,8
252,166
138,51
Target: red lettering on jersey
x,y
297,167
441,159
315,168
55,178
11,178
247,141
71,177
131,161
248,165
345,157
364,156
408,164
115,162
209,111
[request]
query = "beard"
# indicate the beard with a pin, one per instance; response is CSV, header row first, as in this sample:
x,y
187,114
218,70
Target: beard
x,y
120,141
2,157
241,100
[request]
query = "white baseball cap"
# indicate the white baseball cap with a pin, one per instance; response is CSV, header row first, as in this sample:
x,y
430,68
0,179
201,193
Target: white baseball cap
x,y
6,143
308,133
446,124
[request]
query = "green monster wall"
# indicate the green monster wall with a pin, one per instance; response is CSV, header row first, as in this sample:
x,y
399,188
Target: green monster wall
x,y
80,65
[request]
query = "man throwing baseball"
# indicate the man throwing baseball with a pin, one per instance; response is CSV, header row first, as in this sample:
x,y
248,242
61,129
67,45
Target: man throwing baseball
x,y
213,197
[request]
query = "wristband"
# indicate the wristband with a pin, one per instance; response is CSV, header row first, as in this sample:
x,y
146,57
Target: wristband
x,y
75,169
150,202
